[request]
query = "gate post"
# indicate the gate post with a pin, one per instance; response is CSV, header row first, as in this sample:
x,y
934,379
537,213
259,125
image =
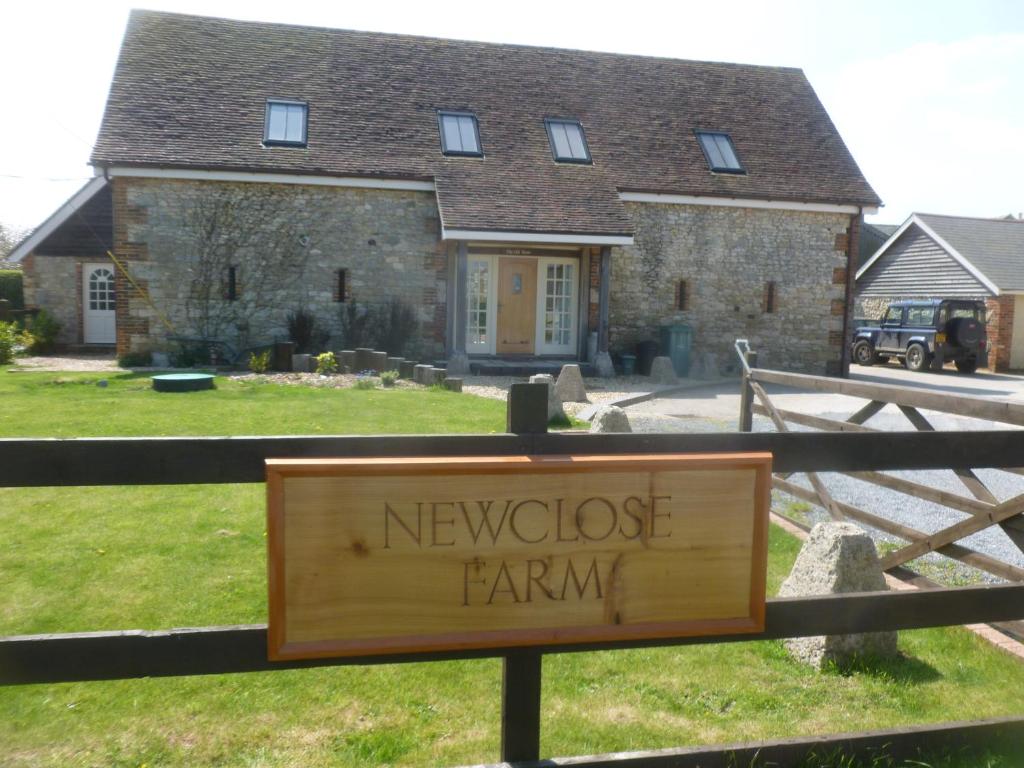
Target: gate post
x,y
521,669
747,394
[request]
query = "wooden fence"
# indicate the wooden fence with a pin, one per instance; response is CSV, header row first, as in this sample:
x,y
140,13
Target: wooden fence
x,y
228,649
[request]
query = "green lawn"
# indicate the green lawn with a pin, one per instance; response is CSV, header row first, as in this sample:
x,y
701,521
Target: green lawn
x,y
152,557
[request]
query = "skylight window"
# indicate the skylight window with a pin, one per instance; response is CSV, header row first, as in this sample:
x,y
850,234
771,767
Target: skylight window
x,y
285,123
460,133
568,144
719,152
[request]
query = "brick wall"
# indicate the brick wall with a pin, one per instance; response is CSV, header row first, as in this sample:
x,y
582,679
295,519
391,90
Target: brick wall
x,y
1000,331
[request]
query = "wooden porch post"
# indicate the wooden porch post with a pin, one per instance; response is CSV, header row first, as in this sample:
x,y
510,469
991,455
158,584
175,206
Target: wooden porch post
x,y
603,363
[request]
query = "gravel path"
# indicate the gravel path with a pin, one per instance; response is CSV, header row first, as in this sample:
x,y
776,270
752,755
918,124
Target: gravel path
x,y
916,513
598,390
67,363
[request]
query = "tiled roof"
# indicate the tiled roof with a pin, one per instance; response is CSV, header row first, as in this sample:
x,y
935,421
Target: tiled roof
x,y
994,246
191,91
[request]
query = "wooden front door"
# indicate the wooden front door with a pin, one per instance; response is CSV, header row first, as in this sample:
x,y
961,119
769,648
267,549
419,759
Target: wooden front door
x,y
517,306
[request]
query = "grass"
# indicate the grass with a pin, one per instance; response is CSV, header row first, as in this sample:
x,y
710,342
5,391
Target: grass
x,y
152,557
75,405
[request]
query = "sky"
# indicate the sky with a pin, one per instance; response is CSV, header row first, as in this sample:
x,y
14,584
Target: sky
x,y
928,96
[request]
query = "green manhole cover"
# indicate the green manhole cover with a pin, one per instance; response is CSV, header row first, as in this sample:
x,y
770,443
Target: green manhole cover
x,y
182,382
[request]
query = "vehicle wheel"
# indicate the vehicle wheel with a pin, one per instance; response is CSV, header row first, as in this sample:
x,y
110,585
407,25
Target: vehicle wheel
x,y
917,358
970,365
864,353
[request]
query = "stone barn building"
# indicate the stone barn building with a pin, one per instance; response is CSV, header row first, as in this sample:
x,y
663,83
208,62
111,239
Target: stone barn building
x,y
525,202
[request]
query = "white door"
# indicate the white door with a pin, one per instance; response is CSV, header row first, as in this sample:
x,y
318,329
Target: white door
x,y
481,288
557,306
98,302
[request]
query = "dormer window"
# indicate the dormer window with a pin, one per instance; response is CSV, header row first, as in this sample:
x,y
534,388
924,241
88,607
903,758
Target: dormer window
x,y
460,134
285,124
568,144
719,152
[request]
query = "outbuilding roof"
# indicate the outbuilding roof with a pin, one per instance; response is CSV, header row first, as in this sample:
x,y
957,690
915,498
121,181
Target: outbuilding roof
x,y
191,92
991,250
994,246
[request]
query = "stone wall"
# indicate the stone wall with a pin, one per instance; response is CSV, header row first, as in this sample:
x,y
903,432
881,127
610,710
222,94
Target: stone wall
x,y
727,256
285,244
54,283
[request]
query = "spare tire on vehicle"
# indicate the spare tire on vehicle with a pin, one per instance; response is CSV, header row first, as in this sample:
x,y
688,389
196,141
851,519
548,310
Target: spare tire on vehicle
x,y
966,331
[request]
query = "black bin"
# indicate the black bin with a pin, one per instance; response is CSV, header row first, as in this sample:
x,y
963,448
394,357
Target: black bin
x,y
646,351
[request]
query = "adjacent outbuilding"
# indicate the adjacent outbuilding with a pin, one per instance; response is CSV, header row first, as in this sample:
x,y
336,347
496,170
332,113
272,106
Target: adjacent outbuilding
x,y
935,257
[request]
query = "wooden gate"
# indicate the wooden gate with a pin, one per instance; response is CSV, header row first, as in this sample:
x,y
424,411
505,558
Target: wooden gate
x,y
983,508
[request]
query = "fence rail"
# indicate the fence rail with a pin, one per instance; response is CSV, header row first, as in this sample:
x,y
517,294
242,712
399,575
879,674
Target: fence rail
x,y
217,650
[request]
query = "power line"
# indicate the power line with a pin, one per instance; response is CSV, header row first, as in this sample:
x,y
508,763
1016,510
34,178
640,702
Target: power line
x,y
43,178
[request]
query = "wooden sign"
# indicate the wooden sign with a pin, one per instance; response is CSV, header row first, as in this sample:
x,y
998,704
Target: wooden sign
x,y
372,556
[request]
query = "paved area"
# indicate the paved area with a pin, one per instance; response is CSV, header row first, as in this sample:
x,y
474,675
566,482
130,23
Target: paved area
x,y
721,402
715,408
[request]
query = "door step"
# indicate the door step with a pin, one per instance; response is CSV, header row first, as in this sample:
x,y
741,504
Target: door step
x,y
524,367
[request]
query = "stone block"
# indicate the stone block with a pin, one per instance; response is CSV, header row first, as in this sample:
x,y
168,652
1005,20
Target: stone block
x,y
347,361
705,366
281,358
458,364
554,404
610,418
393,363
302,363
420,373
837,558
569,386
364,360
453,384
662,371
378,362
406,369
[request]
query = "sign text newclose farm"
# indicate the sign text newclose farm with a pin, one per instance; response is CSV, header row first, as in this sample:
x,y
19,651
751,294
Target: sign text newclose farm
x,y
404,555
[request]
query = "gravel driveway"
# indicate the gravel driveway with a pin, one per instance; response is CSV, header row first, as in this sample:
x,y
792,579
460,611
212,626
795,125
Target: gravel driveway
x,y
716,408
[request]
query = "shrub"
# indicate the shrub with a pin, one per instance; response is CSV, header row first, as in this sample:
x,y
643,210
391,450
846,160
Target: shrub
x,y
140,359
388,378
259,362
12,340
44,328
326,364
306,333
396,323
11,288
365,383
191,354
357,326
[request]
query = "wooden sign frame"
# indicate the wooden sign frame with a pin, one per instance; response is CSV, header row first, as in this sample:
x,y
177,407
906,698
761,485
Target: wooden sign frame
x,y
393,470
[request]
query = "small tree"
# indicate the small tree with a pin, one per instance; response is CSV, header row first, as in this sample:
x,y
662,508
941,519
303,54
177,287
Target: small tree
x,y
238,261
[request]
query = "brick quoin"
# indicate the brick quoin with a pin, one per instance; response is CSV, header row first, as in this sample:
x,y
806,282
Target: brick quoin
x,y
1000,331
127,252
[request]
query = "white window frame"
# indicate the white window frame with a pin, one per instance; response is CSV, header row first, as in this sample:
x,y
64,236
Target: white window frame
x,y
543,262
492,303
286,142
